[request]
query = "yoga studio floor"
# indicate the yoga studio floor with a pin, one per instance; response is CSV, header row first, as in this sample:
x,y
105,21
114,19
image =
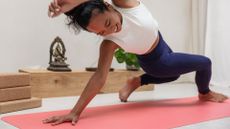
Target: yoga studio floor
x,y
163,91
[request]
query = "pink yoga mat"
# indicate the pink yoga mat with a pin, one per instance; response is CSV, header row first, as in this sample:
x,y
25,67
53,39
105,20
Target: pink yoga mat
x,y
161,114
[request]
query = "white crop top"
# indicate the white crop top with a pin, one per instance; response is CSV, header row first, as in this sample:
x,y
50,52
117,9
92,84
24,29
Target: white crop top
x,y
139,30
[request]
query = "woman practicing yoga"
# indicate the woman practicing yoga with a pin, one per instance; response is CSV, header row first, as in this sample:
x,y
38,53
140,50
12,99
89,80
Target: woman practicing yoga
x,y
128,24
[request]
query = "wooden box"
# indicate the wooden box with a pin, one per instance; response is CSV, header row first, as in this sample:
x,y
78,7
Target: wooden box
x,y
18,105
15,93
8,80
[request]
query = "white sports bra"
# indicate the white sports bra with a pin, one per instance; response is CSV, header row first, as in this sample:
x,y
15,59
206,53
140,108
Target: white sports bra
x,y
139,30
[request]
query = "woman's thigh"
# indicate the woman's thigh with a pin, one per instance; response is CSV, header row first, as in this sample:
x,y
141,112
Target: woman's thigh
x,y
175,64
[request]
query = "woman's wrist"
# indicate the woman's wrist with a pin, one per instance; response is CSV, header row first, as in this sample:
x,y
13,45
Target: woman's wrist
x,y
72,5
75,112
78,2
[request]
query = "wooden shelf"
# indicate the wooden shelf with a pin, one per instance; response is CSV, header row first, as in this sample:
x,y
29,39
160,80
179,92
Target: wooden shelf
x,y
57,84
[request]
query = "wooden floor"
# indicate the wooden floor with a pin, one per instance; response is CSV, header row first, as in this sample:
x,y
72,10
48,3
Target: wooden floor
x,y
163,91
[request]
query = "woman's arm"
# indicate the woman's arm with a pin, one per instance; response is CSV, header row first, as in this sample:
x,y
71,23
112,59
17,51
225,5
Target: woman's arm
x,y
98,80
126,3
58,7
94,85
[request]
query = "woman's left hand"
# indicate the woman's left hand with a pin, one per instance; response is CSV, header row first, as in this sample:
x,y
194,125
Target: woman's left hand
x,y
56,120
54,8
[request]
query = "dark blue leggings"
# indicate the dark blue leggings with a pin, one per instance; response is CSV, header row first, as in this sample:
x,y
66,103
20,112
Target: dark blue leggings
x,y
163,65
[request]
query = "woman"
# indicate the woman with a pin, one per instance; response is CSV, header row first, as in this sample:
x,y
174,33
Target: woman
x,y
128,24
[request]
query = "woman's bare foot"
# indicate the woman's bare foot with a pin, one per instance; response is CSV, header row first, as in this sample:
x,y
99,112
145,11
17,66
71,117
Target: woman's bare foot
x,y
213,96
131,84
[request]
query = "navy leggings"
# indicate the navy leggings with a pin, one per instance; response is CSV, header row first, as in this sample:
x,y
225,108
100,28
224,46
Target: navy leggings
x,y
163,65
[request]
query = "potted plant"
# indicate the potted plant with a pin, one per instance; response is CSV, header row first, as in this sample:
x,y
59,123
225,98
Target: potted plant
x,y
129,59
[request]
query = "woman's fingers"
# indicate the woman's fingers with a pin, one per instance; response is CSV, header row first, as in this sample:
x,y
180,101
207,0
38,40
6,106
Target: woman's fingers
x,y
55,5
50,11
50,120
54,9
58,122
74,121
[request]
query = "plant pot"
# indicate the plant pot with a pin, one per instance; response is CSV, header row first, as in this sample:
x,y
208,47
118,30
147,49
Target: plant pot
x,y
93,69
132,68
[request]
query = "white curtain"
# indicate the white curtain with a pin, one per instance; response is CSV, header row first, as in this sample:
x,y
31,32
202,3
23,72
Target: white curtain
x,y
217,44
211,36
199,20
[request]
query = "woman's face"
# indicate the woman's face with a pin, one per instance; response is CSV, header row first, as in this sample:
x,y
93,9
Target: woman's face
x,y
105,23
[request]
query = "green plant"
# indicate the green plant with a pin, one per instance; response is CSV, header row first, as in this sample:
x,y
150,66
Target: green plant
x,y
128,58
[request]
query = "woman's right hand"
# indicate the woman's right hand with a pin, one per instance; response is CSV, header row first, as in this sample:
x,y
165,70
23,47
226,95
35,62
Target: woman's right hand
x,y
56,120
58,7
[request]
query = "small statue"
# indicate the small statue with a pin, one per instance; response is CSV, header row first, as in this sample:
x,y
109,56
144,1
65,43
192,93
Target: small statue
x,y
57,56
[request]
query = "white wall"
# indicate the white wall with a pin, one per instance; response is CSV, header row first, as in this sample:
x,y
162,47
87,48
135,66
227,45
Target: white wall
x,y
175,20
26,33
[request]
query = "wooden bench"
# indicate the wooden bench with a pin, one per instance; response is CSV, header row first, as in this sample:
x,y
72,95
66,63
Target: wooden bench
x,y
57,84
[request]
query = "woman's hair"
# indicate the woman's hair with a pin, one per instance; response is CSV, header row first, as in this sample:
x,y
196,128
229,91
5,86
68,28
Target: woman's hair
x,y
79,17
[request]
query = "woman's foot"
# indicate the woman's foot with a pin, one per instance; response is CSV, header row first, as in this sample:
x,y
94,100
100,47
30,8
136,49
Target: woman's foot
x,y
213,96
131,85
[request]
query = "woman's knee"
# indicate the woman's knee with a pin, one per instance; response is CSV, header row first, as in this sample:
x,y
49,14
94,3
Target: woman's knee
x,y
207,62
